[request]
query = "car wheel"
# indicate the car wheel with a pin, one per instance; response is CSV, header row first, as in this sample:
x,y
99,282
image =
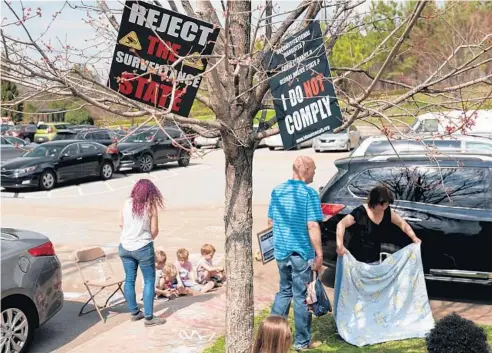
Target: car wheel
x,y
27,139
317,151
146,163
184,162
220,145
18,324
298,147
107,171
271,148
47,180
349,146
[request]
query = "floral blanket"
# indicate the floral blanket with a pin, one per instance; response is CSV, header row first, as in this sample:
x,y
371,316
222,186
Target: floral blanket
x,y
382,302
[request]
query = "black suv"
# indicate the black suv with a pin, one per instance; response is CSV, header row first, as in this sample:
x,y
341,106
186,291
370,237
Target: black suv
x,y
447,200
147,147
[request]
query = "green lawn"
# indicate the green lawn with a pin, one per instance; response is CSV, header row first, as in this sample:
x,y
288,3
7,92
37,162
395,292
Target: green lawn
x,y
324,330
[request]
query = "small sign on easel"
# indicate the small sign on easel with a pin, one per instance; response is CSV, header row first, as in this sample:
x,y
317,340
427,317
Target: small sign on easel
x,y
265,240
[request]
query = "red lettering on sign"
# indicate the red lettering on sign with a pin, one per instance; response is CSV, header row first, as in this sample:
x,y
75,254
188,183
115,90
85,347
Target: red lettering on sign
x,y
313,86
163,49
165,93
141,84
151,93
125,87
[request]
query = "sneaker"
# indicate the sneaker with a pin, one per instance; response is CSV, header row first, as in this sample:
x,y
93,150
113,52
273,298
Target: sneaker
x,y
312,345
154,321
208,286
139,316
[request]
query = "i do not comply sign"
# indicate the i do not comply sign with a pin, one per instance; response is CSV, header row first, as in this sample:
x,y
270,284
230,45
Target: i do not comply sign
x,y
150,40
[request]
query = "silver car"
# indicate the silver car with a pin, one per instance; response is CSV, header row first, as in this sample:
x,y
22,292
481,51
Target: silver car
x,y
343,140
31,287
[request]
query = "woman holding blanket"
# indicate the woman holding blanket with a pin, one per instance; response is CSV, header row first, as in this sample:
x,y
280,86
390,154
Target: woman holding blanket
x,y
373,223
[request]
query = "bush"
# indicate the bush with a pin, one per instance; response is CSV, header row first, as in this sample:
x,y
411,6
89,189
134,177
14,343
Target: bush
x,y
453,334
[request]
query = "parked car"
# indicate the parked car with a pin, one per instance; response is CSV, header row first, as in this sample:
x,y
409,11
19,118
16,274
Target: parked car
x,y
24,132
275,141
377,145
59,161
4,128
143,150
452,121
65,134
343,140
31,286
447,200
102,136
47,131
13,147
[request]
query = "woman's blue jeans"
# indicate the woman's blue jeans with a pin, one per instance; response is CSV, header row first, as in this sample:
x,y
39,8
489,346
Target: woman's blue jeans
x,y
295,274
145,258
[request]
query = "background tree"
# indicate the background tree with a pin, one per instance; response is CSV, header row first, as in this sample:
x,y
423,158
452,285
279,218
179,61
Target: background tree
x,y
236,83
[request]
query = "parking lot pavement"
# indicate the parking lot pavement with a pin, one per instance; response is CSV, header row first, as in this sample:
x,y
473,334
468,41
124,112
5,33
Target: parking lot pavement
x,y
201,183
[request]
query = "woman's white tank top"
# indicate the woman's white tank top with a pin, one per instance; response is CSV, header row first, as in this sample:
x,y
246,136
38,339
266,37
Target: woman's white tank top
x,y
136,231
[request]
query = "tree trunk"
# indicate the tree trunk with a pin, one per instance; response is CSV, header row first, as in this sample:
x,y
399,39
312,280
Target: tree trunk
x,y
238,220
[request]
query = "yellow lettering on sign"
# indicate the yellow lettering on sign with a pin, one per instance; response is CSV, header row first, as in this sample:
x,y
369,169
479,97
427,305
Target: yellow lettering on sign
x,y
131,40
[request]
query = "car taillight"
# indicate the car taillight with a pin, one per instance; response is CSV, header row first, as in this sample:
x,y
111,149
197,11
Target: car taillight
x,y
112,150
45,249
331,209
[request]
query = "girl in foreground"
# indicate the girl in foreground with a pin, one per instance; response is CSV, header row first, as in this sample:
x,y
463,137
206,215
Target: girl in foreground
x,y
274,336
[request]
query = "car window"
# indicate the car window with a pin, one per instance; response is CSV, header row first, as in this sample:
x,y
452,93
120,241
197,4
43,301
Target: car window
x,y
395,179
45,151
88,148
161,135
444,144
31,128
14,140
457,187
101,135
43,127
384,146
72,150
478,146
175,134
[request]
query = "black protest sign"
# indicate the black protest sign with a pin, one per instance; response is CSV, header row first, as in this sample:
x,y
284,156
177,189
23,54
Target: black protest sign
x,y
302,89
150,40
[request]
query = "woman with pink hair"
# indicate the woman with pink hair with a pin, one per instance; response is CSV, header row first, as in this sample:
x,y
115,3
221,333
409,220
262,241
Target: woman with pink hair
x,y
139,227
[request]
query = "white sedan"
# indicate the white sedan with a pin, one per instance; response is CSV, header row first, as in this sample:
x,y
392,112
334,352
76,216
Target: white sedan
x,y
343,140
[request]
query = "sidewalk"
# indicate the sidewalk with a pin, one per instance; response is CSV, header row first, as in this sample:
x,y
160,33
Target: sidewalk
x,y
192,324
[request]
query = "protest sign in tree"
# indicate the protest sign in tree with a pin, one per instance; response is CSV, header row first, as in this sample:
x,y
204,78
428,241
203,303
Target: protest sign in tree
x,y
234,85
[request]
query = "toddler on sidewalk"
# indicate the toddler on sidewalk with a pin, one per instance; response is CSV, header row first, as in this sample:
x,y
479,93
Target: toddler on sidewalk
x,y
208,274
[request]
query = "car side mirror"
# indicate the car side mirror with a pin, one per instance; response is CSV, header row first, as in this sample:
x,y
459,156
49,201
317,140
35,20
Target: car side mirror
x,y
320,188
65,155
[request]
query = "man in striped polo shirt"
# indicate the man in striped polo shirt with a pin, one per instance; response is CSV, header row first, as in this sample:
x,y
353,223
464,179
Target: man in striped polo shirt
x,y
294,213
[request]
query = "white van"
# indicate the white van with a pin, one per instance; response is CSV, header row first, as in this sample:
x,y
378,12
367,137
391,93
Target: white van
x,y
481,122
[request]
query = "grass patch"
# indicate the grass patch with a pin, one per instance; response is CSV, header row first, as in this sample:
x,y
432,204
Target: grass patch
x,y
324,330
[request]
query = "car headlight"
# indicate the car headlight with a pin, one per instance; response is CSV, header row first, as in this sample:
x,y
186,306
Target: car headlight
x,y
25,170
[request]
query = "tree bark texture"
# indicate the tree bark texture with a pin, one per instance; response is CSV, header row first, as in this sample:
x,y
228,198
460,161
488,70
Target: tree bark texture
x,y
238,219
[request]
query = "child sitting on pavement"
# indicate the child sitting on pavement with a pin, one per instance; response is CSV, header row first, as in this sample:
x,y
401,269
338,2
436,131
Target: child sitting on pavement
x,y
170,285
185,270
208,274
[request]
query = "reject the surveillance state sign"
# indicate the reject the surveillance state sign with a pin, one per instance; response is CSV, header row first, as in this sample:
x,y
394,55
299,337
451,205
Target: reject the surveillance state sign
x,y
150,40
302,89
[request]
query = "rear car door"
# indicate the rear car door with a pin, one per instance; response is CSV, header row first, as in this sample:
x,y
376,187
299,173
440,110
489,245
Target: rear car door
x,y
69,163
449,208
91,159
162,148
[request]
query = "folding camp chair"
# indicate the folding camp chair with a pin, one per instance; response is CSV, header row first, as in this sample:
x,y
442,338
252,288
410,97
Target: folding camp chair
x,y
87,258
